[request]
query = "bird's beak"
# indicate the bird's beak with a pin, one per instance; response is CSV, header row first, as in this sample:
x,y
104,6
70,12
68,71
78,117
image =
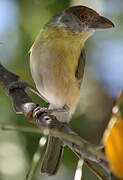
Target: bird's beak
x,y
101,23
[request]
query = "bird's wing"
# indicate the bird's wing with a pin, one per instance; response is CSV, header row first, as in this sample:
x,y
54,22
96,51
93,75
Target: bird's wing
x,y
80,68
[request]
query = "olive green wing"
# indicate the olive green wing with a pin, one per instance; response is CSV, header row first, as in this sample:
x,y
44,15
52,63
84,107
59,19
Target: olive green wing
x,y
81,66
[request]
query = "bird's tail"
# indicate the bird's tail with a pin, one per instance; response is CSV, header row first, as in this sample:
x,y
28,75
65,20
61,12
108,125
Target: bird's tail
x,y
52,156
55,148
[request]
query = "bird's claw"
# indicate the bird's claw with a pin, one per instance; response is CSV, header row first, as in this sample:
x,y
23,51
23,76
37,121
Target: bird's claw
x,y
38,111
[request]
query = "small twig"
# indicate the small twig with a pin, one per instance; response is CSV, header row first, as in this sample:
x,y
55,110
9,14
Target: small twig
x,y
93,169
39,131
21,128
36,159
79,170
99,175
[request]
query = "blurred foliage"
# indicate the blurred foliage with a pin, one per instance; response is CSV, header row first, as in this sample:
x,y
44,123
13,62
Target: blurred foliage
x,y
102,81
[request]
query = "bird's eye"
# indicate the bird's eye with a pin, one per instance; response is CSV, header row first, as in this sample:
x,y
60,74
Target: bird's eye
x,y
82,16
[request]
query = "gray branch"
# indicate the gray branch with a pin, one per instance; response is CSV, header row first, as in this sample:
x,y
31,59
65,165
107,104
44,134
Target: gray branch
x,y
45,120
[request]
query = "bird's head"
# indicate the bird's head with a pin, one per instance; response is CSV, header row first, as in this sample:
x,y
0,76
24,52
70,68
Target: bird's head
x,y
81,19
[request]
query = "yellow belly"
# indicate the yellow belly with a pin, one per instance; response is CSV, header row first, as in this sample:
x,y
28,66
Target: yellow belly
x,y
53,69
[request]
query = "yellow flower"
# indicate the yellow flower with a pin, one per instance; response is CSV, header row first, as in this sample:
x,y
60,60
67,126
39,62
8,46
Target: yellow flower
x,y
114,147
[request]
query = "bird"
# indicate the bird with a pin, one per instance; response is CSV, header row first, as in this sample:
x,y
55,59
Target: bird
x,y
57,61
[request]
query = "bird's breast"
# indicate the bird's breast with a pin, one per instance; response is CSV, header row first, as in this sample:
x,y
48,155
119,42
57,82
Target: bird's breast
x,y
53,68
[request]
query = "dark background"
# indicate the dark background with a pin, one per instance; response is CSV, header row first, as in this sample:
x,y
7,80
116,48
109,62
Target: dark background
x,y
20,22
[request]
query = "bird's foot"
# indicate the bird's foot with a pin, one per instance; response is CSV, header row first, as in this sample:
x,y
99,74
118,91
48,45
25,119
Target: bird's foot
x,y
45,111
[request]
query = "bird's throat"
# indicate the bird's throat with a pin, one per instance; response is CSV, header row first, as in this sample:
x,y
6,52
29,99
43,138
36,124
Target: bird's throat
x,y
59,33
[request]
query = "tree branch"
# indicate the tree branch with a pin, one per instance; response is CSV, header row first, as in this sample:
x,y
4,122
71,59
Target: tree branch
x,y
46,121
